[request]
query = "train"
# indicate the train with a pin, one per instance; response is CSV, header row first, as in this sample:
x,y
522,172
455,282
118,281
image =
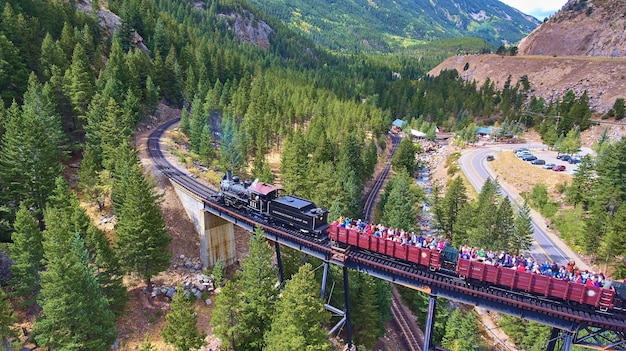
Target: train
x,y
272,205
269,202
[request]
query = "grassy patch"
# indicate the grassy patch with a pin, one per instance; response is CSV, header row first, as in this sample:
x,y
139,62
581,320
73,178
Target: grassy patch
x,y
524,176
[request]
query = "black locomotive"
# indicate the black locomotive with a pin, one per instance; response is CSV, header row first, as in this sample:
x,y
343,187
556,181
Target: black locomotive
x,y
268,201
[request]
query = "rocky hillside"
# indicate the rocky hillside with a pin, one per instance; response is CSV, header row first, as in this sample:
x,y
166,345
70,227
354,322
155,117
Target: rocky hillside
x,y
582,28
581,48
549,77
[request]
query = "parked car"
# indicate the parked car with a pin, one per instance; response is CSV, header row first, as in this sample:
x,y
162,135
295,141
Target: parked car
x,y
522,153
529,158
558,168
490,158
521,149
538,162
574,160
548,166
564,157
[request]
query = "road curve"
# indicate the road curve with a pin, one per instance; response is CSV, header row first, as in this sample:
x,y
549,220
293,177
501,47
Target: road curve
x,y
545,246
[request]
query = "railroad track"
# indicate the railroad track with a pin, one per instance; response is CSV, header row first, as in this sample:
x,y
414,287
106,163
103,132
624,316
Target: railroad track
x,y
399,316
370,199
402,321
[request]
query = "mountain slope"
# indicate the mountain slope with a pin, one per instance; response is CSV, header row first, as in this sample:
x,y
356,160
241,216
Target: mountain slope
x,y
383,25
581,28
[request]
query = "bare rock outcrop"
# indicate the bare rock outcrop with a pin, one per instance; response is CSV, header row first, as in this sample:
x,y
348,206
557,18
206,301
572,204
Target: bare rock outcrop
x,y
248,29
592,28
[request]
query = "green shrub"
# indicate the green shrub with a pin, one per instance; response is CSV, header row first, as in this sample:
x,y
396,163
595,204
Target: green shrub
x,y
218,273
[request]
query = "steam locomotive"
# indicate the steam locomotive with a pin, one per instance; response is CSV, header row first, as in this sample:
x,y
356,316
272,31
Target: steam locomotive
x,y
269,202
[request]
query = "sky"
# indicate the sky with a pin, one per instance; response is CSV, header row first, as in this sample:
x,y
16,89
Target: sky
x,y
538,8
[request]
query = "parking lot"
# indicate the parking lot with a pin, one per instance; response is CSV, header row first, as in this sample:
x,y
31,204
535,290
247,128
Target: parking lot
x,y
550,157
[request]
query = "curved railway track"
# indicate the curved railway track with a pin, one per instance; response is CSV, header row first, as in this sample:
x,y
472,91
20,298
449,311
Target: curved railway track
x,y
436,279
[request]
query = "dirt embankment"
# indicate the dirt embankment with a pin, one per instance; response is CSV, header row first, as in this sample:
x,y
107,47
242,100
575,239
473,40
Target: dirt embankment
x,y
604,79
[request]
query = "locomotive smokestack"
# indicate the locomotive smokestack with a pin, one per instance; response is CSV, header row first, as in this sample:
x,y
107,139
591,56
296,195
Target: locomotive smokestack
x,y
229,175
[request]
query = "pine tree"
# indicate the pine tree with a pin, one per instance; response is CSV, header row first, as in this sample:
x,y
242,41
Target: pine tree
x,y
522,231
75,314
141,235
299,315
31,149
229,147
504,226
404,157
114,132
27,254
225,316
101,256
257,283
197,121
181,329
79,82
206,146
462,332
453,201
400,201
365,317
152,96
6,318
294,164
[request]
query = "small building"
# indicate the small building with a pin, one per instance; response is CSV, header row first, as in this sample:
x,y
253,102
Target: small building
x,y
417,135
484,131
398,124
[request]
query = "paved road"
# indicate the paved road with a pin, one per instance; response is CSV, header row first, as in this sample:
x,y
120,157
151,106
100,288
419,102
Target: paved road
x,y
546,246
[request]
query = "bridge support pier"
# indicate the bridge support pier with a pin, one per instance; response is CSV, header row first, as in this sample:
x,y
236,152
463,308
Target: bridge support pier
x,y
430,322
558,334
346,293
217,240
279,261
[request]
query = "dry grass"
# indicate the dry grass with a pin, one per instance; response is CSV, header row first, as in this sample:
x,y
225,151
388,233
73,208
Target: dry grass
x,y
523,176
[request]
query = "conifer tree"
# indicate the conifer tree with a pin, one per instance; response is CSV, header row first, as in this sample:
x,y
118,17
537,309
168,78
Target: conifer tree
x,y
399,205
404,157
522,231
504,226
365,317
294,164
229,148
299,315
75,313
27,254
197,121
152,96
461,332
206,146
101,256
181,329
31,149
453,201
79,82
141,235
225,316
114,132
258,280
6,319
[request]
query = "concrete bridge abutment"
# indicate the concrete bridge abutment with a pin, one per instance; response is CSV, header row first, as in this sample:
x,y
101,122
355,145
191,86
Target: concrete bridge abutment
x,y
217,235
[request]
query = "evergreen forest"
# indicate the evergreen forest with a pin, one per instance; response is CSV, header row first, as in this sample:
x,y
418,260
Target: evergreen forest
x,y
79,78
